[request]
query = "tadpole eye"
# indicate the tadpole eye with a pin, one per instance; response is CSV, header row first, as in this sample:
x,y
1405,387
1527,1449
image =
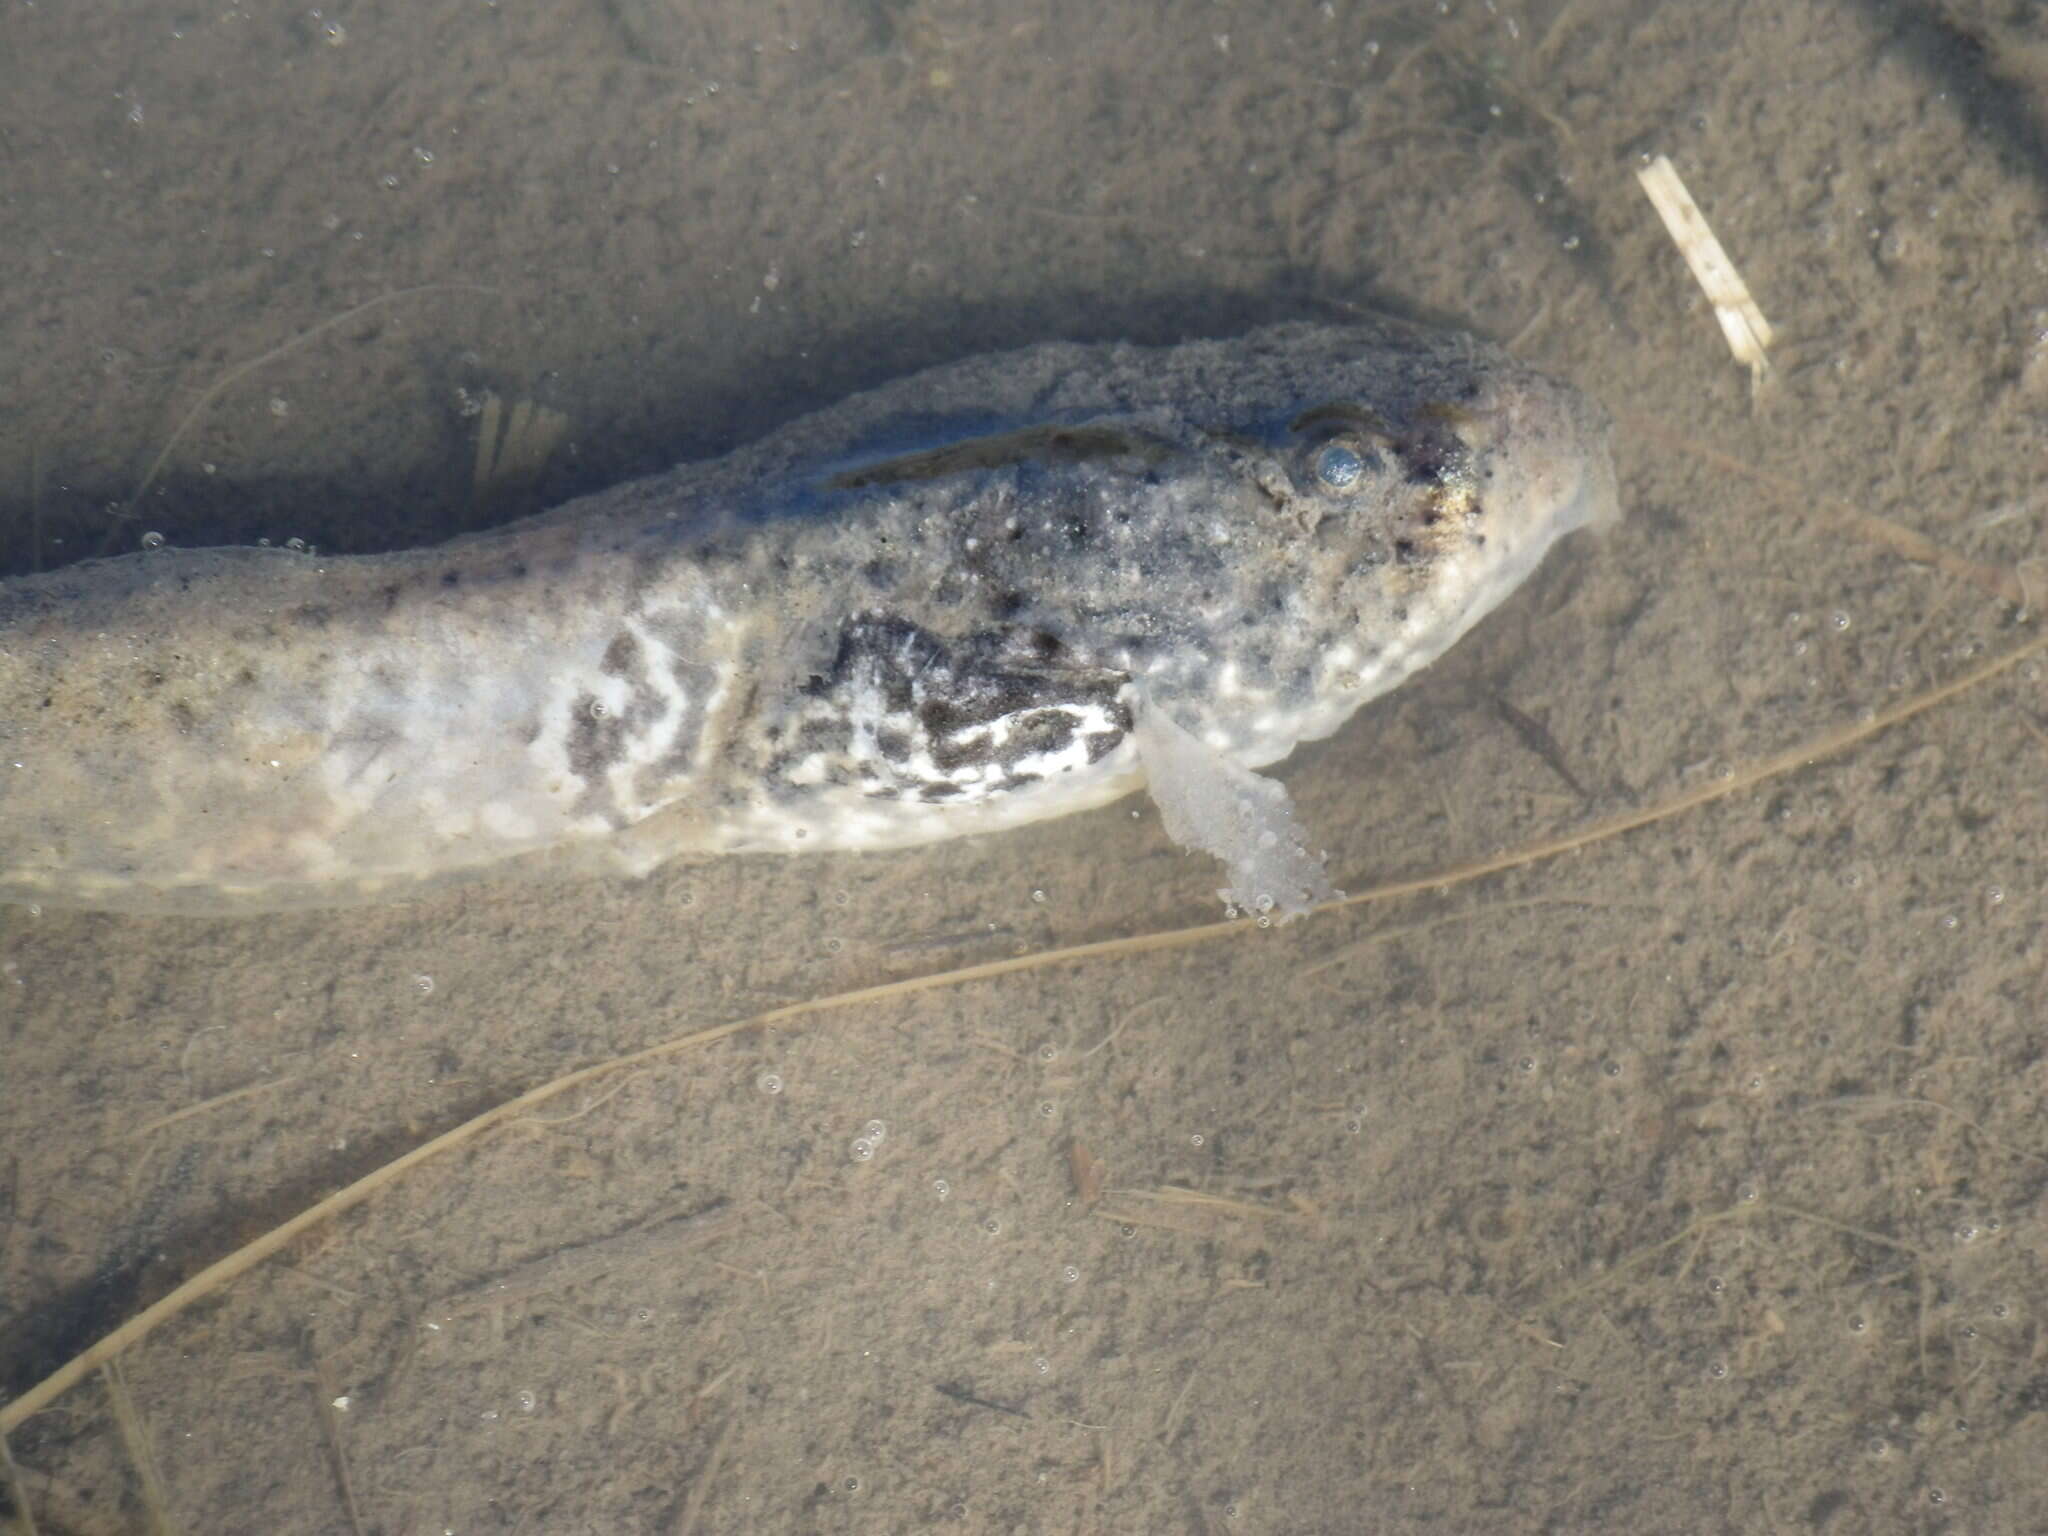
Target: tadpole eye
x,y
1339,466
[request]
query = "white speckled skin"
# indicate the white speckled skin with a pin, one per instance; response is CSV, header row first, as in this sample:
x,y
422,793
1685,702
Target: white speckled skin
x,y
935,609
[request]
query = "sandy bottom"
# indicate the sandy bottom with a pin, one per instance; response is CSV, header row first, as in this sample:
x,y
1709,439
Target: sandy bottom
x,y
1692,1181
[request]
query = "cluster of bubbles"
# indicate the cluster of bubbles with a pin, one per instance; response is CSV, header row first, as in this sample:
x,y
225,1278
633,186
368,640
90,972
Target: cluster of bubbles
x,y
869,1139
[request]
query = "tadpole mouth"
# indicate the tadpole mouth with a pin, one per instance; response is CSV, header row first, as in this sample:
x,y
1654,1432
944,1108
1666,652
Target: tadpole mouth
x,y
1553,440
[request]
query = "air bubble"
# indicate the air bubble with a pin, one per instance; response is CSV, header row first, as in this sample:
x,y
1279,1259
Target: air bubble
x,y
941,1188
1858,1325
833,946
1071,1273
1039,897
1994,896
769,1083
1839,619
423,984
152,540
875,1131
1197,1139
863,1150
1951,922
527,1399
280,407
1048,1053
992,1227
1047,1109
422,154
1042,1365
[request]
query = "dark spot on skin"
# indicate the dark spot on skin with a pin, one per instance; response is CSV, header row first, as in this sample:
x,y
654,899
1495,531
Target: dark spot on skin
x,y
1405,552
622,656
596,740
1039,646
697,683
820,736
1046,730
1432,452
